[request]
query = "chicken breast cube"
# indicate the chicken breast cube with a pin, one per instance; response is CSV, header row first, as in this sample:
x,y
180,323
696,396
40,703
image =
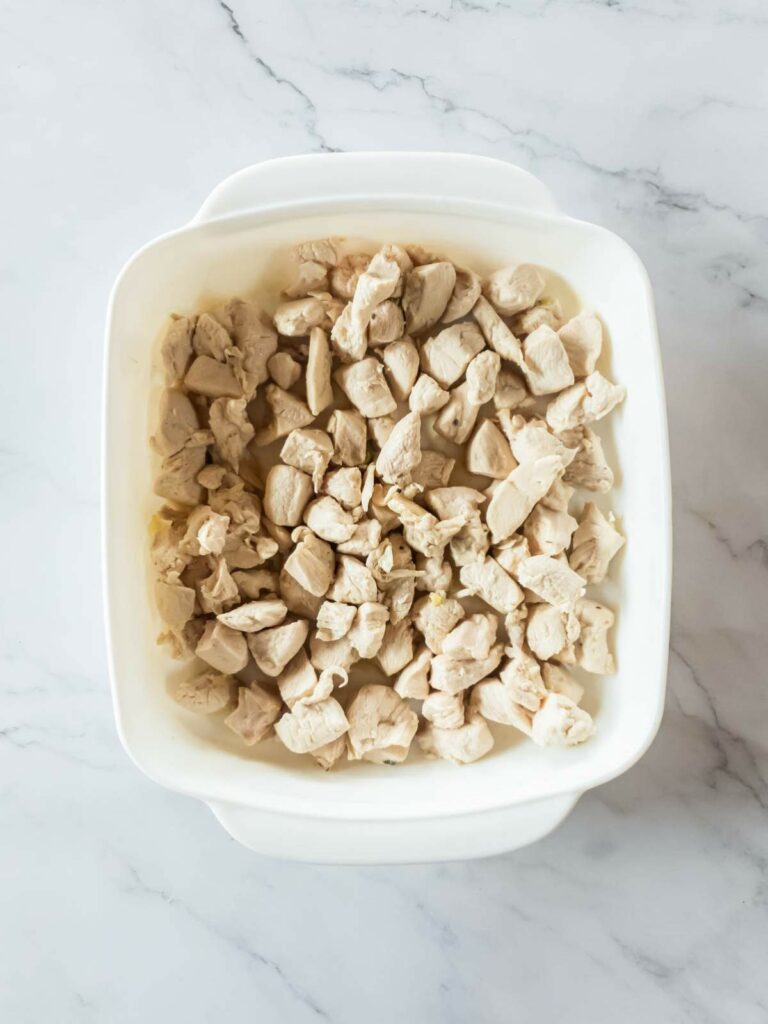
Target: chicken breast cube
x,y
327,755
205,694
176,480
334,620
175,603
232,430
364,385
466,292
589,468
471,543
257,711
546,362
585,402
345,275
557,680
298,680
582,339
319,388
488,452
310,276
531,440
218,591
546,631
495,701
375,285
255,340
345,485
412,681
445,710
511,552
435,617
552,581
387,324
328,520
427,396
367,632
288,413
437,574
401,363
488,581
381,725
595,542
272,649
396,649
592,651
354,583
496,333
255,615
433,470
428,289
311,564
482,374
513,500
522,677
210,338
402,451
446,356
350,437
514,288
561,723
296,318
310,726
456,420
176,422
209,377
286,494
364,540
549,532
473,638
176,350
223,648
511,392
462,746
547,312
452,675
310,451
334,655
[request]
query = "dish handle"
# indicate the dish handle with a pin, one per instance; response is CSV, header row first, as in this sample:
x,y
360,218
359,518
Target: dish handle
x,y
336,841
348,175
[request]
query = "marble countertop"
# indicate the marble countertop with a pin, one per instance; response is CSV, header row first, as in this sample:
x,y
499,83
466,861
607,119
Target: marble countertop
x,y
121,902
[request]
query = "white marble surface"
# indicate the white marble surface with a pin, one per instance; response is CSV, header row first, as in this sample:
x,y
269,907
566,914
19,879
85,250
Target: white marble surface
x,y
120,902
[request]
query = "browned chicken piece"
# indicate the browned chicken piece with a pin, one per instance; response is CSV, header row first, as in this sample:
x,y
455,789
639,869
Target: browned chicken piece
x,y
286,494
350,437
428,289
381,725
176,350
206,693
514,288
176,422
256,713
272,649
223,648
232,430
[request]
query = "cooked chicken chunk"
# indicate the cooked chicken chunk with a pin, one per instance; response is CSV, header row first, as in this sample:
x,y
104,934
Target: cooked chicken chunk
x,y
522,677
354,583
310,726
427,396
311,564
218,591
206,532
401,364
257,711
438,575
328,520
546,363
511,552
350,437
552,580
334,620
488,581
582,339
514,498
452,675
514,288
592,651
232,430
283,369
381,725
375,285
396,649
488,452
176,422
366,537
209,377
288,413
595,542
296,318
286,494
176,480
175,603
466,292
548,532
345,275
272,649
223,648
365,386
462,746
309,451
210,338
311,276
332,654
387,324
496,333
298,599
446,356
445,710
428,289
255,615
511,392
456,420
176,349
473,638
327,755
206,694
253,582
547,312
482,374
548,631
402,450
367,632
589,468
255,340
345,485
561,723
433,470
531,440
585,402
435,616
412,681
557,680
496,701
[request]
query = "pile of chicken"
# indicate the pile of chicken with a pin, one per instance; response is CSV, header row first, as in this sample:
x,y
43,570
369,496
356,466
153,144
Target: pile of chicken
x,y
280,566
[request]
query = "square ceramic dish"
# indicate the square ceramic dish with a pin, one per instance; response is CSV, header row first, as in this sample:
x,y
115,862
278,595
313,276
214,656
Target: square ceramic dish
x,y
489,213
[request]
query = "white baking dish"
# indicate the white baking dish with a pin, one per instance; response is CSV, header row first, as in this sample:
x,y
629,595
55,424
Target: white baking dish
x,y
491,213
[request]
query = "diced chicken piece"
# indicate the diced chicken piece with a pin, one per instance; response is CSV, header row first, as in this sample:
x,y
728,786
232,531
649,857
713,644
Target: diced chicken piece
x,y
272,649
253,582
402,450
561,723
205,694
255,615
223,648
522,677
176,423
365,386
589,468
547,312
367,632
471,543
592,651
557,680
582,339
399,255
511,392
558,497
327,755
401,363
283,369
245,550
255,339
462,746
438,575
349,337
232,430
422,531
379,429
177,479
350,437
332,654
552,580
495,701
387,324
595,542
446,356
456,420
465,294
311,564
514,626
496,333
513,289
427,396
434,469
334,620
175,603
412,681
364,540
381,725
548,631
298,599
288,413
218,591
488,581
511,552
279,534
548,532
210,338
286,494
310,276
319,363
345,485
546,363
445,710
482,375
345,275
206,532
434,617
396,649
447,502
473,638
318,250
584,402
375,285
309,451
378,509
296,318
514,498
176,350
531,440
257,711
488,452
354,583
209,377
428,289
328,520
310,726
392,560
212,476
